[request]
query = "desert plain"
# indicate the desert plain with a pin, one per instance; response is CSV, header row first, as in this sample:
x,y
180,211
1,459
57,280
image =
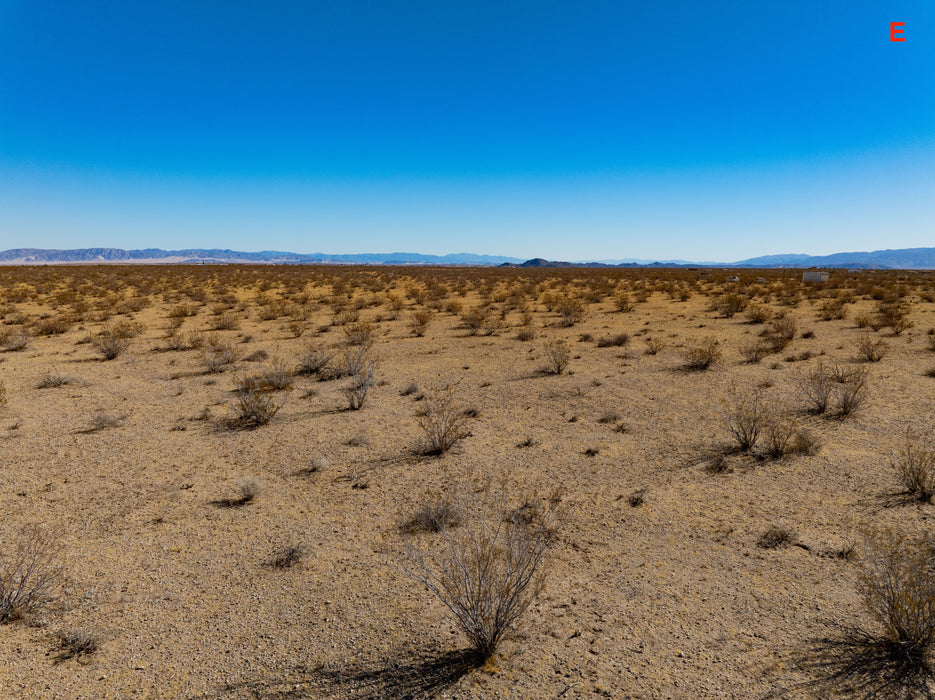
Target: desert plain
x,y
209,553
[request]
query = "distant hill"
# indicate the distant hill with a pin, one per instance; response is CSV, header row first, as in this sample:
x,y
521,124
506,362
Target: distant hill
x,y
196,255
903,259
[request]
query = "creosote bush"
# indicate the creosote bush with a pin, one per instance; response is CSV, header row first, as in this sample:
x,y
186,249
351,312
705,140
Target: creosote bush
x,y
441,420
486,572
111,342
892,657
743,418
255,403
30,574
701,354
558,355
914,464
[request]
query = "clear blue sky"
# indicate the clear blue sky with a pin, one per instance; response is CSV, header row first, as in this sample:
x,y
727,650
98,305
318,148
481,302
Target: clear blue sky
x,y
570,130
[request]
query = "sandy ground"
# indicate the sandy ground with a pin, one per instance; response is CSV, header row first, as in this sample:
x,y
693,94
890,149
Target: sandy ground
x,y
672,598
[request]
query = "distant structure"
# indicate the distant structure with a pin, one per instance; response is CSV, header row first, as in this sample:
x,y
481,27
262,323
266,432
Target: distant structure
x,y
815,276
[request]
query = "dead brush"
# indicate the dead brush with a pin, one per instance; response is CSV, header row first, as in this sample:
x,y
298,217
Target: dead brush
x,y
914,464
557,355
434,516
442,421
743,419
76,643
110,343
218,356
255,404
313,360
30,574
891,658
419,322
699,355
14,339
486,572
870,350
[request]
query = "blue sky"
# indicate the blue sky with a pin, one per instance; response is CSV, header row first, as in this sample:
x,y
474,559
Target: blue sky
x,y
566,130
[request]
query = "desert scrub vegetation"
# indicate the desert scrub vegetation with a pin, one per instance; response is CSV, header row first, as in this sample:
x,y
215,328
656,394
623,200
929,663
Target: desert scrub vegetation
x,y
833,389
3,396
436,515
892,657
442,421
870,350
111,342
218,356
360,364
486,572
30,574
75,643
701,354
255,403
914,465
14,339
557,355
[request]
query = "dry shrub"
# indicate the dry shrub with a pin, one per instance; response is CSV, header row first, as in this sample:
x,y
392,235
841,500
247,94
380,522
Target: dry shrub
x,y
52,326
892,658
474,319
441,420
3,398
784,327
756,350
570,311
439,515
776,537
255,405
558,355
30,574
851,394
487,573
183,311
623,303
818,387
359,334
743,418
77,642
783,436
614,341
218,356
870,350
14,339
701,354
832,310
360,367
110,343
526,333
654,345
914,464
419,322
731,304
227,321
313,360
758,313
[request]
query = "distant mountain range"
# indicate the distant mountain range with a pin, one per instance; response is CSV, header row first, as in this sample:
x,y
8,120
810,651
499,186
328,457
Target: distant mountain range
x,y
197,255
903,259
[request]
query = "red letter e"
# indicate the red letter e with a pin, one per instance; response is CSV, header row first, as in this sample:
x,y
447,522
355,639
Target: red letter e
x,y
894,31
